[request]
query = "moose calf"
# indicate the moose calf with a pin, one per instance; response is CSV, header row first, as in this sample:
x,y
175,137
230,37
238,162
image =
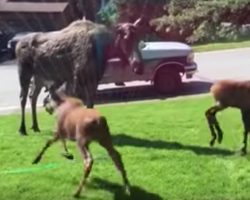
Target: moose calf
x,y
229,93
75,122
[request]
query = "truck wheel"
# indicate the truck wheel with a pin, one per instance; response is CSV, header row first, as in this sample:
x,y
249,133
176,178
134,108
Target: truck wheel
x,y
167,81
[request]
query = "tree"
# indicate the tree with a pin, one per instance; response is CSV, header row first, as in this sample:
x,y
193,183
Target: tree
x,y
130,10
202,20
183,20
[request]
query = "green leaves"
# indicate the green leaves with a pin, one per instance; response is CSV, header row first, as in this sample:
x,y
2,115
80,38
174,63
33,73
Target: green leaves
x,y
191,21
198,21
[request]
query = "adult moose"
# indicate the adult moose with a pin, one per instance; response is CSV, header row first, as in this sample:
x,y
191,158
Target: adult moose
x,y
76,55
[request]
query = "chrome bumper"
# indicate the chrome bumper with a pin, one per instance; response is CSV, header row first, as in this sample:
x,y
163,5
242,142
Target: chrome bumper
x,y
190,70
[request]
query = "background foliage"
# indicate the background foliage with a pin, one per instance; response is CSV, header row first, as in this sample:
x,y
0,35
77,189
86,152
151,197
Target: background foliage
x,y
192,21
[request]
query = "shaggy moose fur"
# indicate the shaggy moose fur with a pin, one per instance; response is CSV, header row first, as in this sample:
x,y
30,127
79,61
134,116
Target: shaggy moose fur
x,y
229,93
74,122
76,55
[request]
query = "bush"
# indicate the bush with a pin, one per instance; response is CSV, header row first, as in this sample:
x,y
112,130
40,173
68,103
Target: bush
x,y
199,21
108,14
191,21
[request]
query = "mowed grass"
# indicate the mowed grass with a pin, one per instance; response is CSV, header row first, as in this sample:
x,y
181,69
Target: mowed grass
x,y
224,45
164,146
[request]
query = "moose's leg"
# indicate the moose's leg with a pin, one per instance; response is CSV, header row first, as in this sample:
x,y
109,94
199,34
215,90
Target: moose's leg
x,y
88,162
24,80
83,93
36,87
75,82
88,97
213,123
246,120
66,154
244,148
90,88
117,159
48,144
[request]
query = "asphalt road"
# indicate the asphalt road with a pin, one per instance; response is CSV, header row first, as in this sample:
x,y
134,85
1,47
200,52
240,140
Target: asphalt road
x,y
224,64
212,66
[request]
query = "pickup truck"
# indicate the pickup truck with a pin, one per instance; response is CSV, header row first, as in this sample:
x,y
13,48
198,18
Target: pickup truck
x,y
165,65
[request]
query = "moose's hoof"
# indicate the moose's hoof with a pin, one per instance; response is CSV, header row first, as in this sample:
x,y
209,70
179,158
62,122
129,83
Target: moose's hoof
x,y
69,156
22,131
211,143
77,194
243,151
35,129
120,83
220,140
36,160
127,190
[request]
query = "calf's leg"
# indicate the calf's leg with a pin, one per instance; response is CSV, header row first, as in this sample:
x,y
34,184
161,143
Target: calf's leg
x,y
214,124
117,159
48,144
66,154
244,148
88,162
246,120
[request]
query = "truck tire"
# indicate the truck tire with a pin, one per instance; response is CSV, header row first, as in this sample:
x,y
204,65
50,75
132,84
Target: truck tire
x,y
167,81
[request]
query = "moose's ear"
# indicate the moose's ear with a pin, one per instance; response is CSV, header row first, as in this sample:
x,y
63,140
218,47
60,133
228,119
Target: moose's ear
x,y
131,30
138,22
142,21
127,35
118,28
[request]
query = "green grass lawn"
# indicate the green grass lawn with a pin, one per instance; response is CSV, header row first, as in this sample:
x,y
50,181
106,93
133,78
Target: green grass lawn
x,y
222,45
164,145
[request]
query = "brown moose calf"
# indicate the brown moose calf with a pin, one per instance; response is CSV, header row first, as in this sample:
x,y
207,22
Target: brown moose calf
x,y
229,93
75,122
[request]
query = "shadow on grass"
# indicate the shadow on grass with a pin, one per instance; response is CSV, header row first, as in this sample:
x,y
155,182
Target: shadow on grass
x,y
43,133
137,193
126,140
147,92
